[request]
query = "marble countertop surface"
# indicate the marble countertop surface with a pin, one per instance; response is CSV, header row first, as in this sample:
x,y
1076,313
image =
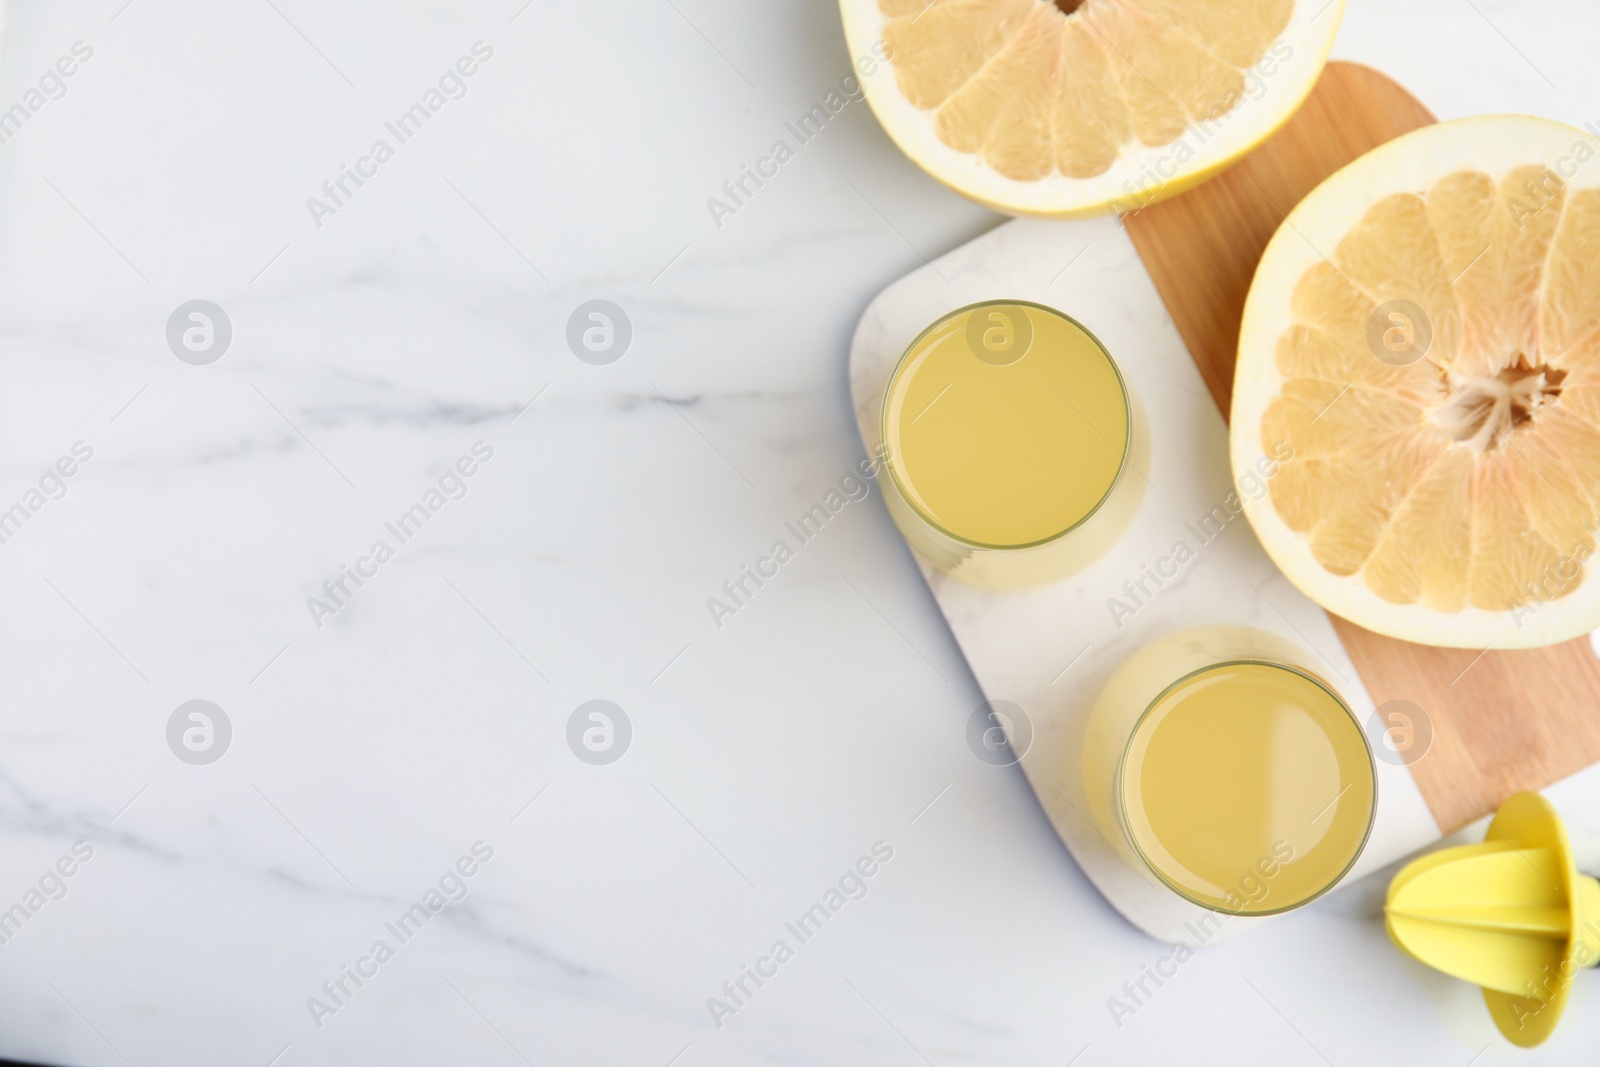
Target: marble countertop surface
x,y
396,509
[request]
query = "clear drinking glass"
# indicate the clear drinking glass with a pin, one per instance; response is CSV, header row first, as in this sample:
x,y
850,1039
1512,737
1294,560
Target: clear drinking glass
x,y
1010,434
1220,762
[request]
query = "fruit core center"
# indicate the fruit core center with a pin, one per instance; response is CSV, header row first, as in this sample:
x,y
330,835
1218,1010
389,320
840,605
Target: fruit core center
x,y
1483,412
1067,7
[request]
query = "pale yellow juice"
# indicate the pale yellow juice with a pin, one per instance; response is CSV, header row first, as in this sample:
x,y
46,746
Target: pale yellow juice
x,y
1243,782
1008,427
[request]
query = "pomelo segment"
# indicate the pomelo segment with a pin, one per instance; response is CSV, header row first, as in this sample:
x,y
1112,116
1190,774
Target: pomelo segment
x,y
1084,106
1422,342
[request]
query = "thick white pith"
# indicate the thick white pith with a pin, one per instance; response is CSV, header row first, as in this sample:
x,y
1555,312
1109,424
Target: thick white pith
x,y
1483,413
1144,173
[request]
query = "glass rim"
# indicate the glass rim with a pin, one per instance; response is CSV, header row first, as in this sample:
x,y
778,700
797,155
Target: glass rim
x,y
1127,749
917,509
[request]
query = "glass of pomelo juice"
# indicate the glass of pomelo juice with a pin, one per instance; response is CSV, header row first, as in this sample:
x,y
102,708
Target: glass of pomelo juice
x,y
1220,762
1009,435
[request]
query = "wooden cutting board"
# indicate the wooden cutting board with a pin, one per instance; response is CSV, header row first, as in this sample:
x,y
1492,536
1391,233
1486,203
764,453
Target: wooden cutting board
x,y
1501,720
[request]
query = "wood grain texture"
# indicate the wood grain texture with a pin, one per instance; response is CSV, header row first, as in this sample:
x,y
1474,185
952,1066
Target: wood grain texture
x,y
1502,721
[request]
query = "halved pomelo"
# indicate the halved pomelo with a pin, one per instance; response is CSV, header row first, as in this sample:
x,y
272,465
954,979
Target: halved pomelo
x,y
1081,107
1416,407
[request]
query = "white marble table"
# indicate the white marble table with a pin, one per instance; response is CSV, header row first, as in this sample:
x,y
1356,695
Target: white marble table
x,y
378,337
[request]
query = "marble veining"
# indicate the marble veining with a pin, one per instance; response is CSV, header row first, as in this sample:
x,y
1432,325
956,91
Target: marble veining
x,y
434,709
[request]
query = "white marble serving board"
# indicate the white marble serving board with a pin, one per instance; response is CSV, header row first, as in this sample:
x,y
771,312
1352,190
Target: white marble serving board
x,y
1049,650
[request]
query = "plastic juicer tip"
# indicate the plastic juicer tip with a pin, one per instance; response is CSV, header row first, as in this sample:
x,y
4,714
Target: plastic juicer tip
x,y
1511,915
